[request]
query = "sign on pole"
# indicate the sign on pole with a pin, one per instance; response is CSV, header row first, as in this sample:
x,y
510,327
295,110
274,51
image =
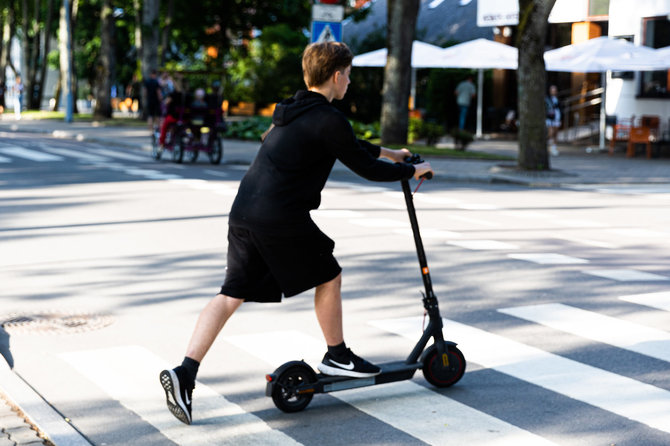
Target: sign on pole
x,y
326,32
327,22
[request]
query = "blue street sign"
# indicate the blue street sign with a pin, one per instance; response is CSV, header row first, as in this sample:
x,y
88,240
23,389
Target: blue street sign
x,y
326,32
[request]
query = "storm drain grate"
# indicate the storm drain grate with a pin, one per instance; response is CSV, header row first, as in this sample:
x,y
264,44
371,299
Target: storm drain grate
x,y
54,322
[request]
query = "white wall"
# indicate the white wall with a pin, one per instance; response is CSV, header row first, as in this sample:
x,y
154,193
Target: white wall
x,y
625,19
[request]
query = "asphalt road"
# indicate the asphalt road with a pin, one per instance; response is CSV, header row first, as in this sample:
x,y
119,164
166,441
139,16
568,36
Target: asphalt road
x,y
558,298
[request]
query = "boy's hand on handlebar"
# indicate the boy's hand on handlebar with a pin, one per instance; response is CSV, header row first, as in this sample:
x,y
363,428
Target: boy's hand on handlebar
x,y
397,156
422,169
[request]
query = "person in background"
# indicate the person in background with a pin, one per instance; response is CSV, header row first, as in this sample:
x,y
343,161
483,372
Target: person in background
x,y
553,119
153,95
464,92
18,97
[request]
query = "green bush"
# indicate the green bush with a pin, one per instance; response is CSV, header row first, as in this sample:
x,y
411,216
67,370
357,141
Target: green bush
x,y
461,138
250,129
419,129
365,131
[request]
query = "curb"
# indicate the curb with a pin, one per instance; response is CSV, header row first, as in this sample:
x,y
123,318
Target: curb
x,y
45,420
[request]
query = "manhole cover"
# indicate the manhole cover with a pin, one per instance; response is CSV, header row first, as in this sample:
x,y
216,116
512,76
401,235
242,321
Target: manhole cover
x,y
54,322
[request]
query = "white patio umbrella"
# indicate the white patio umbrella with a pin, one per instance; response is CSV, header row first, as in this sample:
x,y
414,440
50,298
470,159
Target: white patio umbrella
x,y
603,54
423,56
479,54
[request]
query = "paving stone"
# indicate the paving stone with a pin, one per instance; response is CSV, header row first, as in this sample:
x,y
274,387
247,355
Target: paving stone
x,y
5,441
23,435
11,421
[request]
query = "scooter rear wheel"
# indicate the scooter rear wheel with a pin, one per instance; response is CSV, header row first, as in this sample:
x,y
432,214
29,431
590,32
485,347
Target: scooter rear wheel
x,y
437,373
284,392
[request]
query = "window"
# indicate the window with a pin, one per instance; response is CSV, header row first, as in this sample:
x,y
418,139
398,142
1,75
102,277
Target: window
x,y
599,7
654,84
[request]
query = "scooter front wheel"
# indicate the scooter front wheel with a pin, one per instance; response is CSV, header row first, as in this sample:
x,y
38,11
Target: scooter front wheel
x,y
443,372
285,392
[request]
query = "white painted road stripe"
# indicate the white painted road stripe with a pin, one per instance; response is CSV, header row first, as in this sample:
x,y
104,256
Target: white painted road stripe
x,y
435,419
59,431
626,275
547,258
608,330
120,155
482,245
617,394
638,232
28,154
655,300
78,154
588,242
379,223
138,389
427,233
336,213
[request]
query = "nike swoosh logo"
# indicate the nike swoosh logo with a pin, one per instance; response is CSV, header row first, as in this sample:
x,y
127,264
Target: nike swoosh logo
x,y
349,366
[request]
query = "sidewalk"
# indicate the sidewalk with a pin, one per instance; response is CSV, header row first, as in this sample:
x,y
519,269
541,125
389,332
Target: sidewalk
x,y
574,165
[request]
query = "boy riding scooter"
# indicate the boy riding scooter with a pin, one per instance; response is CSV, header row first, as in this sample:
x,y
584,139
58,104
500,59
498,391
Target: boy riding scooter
x,y
274,247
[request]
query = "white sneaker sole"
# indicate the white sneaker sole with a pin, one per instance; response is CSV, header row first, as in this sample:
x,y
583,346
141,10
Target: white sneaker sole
x,y
175,404
335,371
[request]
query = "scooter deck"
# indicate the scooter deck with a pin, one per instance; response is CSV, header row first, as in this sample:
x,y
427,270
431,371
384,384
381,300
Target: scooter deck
x,y
391,371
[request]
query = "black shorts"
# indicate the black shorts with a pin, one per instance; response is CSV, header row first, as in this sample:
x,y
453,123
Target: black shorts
x,y
263,267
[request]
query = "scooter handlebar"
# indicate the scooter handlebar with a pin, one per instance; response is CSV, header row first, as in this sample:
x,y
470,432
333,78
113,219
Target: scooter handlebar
x,y
416,159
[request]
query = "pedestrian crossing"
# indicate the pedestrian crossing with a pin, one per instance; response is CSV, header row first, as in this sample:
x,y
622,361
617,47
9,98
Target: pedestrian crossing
x,y
411,407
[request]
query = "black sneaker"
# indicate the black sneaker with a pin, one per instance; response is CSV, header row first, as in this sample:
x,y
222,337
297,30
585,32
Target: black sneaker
x,y
349,365
177,393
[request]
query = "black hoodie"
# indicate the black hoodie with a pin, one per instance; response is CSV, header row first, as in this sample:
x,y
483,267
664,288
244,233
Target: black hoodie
x,y
285,180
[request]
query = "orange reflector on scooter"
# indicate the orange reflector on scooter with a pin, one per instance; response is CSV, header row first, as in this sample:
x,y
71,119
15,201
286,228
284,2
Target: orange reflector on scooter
x,y
425,270
445,360
269,378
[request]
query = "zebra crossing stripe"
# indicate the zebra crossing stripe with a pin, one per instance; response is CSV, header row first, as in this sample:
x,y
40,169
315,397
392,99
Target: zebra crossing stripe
x,y
483,245
655,300
120,155
435,418
137,388
32,155
623,396
608,330
547,258
78,154
626,275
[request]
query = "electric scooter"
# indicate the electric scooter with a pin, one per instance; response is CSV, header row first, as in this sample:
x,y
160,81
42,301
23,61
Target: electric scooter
x,y
294,383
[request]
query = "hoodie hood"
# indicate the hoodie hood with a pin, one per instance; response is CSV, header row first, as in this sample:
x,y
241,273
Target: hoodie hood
x,y
289,109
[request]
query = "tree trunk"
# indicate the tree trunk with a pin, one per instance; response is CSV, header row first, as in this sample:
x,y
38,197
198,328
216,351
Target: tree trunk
x,y
165,38
533,24
8,31
150,37
137,5
103,99
73,23
401,25
47,38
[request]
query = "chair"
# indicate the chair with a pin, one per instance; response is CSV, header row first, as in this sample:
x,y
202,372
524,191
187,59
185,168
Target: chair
x,y
639,135
620,131
654,125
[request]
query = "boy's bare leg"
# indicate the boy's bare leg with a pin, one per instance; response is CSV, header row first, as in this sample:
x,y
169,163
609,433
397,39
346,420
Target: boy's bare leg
x,y
328,307
210,322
